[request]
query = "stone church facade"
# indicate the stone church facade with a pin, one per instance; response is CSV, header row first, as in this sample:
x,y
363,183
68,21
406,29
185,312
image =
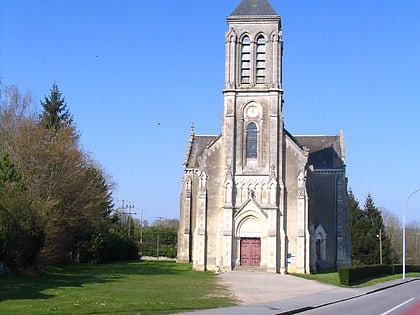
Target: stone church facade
x,y
256,195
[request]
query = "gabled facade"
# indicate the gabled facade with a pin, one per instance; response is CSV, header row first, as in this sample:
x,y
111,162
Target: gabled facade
x,y
255,195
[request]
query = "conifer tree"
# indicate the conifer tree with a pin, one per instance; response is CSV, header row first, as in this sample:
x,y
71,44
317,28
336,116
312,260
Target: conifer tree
x,y
8,172
376,231
55,113
368,233
357,230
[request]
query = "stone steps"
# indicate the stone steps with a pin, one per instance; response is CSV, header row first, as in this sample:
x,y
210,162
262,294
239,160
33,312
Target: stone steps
x,y
250,268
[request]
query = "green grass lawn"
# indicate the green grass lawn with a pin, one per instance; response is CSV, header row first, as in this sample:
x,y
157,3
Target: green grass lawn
x,y
332,278
118,288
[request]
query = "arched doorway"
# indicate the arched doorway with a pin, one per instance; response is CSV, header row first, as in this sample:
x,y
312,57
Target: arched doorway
x,y
250,242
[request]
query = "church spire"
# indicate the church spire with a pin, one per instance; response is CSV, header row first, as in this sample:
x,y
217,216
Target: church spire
x,y
254,8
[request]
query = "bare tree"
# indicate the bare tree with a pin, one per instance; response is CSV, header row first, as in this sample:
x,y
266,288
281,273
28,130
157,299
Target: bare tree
x,y
413,243
393,229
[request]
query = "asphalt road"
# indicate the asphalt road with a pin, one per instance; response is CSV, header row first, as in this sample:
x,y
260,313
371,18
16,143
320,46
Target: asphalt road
x,y
273,294
397,300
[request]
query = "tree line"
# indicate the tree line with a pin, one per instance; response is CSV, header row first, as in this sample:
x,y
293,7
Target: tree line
x,y
160,239
376,235
56,203
55,199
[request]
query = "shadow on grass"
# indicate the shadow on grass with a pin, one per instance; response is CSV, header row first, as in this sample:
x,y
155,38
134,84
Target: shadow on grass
x,y
32,287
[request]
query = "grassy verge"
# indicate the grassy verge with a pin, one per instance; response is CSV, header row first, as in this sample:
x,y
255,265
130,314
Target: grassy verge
x,y
119,288
332,278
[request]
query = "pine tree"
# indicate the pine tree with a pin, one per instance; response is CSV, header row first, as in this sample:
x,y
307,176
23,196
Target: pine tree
x,y
366,227
55,114
8,172
377,229
357,230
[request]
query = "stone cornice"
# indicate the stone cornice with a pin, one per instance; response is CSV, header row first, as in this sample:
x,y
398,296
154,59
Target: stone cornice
x,y
328,171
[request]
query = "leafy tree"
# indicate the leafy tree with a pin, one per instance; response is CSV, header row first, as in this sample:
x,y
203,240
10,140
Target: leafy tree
x,y
55,114
55,200
67,199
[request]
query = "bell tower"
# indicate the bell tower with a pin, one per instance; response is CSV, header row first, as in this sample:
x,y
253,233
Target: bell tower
x,y
252,120
253,125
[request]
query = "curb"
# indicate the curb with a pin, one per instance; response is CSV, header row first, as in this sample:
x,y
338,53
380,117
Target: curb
x,y
308,308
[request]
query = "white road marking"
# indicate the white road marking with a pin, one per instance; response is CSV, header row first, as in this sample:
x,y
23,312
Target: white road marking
x,y
398,306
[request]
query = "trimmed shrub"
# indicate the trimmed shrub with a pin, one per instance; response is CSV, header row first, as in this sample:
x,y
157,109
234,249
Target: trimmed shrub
x,y
412,268
352,275
343,275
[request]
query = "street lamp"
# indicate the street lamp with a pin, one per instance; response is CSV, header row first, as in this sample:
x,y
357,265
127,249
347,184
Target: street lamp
x,y
380,245
403,245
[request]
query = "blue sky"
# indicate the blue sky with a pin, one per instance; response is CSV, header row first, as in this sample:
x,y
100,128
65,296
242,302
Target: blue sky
x,y
137,74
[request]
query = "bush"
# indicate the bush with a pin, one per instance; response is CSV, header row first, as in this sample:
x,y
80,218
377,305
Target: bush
x,y
118,248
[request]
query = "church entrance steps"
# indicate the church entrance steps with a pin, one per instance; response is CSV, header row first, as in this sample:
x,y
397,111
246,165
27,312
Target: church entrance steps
x,y
250,268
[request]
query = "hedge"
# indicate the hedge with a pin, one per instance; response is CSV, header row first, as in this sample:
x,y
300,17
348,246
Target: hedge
x,y
351,275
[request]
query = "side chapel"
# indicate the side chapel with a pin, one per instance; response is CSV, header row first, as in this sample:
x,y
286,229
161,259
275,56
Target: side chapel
x,y
256,195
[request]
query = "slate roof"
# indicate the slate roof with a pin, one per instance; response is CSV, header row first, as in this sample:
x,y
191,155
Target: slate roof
x,y
254,8
199,144
324,151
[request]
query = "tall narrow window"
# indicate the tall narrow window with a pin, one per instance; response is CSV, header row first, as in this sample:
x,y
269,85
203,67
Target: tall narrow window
x,y
245,60
260,64
251,141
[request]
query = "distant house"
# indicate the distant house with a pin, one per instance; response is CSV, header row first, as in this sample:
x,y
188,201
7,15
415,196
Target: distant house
x,y
255,195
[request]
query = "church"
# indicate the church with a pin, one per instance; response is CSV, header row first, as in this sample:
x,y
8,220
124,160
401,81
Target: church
x,y
256,196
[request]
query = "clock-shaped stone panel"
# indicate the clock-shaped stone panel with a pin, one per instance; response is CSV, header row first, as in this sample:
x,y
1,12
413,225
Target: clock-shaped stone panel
x,y
252,111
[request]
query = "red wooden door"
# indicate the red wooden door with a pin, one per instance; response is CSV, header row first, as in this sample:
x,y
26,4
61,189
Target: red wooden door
x,y
250,251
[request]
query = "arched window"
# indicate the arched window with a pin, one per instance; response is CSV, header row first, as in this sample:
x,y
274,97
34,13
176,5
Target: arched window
x,y
251,141
245,60
320,243
260,64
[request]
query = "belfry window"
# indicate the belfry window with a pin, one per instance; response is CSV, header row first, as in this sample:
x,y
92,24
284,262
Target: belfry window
x,y
245,60
260,62
251,141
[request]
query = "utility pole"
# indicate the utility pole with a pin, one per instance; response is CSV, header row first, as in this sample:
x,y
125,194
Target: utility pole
x,y
129,218
159,220
129,206
157,247
141,226
122,213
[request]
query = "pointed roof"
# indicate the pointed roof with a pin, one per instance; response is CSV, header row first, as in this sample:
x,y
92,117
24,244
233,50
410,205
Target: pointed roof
x,y
254,8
